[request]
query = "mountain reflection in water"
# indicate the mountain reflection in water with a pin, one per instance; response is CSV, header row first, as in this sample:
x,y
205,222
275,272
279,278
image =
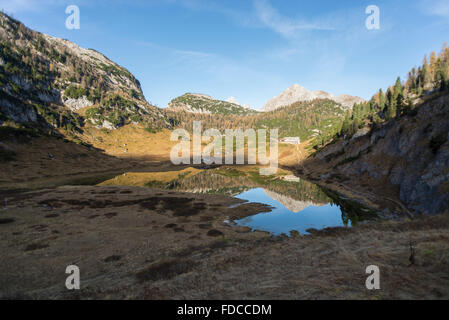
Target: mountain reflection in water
x,y
288,214
298,205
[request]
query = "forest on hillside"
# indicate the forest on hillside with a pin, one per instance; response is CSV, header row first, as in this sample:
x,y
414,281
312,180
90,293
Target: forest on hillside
x,y
319,119
425,82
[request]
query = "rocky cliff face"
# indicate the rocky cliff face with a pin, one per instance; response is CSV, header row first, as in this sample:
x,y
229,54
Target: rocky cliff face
x,y
297,93
406,158
46,80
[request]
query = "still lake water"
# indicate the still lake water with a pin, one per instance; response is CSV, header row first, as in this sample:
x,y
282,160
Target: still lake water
x,y
297,204
283,220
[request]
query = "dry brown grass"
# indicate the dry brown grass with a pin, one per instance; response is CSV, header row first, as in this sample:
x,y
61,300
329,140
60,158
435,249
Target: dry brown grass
x,y
139,244
45,157
323,267
49,161
139,179
131,142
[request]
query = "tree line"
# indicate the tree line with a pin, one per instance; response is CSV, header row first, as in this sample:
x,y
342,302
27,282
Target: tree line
x,y
431,78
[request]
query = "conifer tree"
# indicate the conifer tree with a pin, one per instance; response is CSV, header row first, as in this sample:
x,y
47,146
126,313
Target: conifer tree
x,y
398,96
441,76
391,104
381,100
346,126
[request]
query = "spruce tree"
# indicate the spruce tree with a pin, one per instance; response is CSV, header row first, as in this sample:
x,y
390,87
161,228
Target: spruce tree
x,y
398,96
346,126
372,105
390,108
442,77
381,100
423,76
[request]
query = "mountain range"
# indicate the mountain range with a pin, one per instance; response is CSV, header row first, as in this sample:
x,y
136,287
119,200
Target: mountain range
x,y
54,84
204,104
297,93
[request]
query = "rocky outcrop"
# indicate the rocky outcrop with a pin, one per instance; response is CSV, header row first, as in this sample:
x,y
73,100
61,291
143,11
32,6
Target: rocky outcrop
x,y
347,100
17,111
410,154
77,104
297,93
106,125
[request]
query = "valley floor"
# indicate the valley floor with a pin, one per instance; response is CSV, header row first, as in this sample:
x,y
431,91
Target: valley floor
x,y
138,243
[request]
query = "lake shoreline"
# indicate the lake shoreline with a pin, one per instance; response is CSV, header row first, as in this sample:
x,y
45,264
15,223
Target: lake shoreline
x,y
134,247
126,251
141,243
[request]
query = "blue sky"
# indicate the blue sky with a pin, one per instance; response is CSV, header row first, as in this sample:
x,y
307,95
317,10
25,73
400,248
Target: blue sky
x,y
249,49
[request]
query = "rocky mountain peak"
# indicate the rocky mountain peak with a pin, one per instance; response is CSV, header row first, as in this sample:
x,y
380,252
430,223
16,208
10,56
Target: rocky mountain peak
x,y
297,93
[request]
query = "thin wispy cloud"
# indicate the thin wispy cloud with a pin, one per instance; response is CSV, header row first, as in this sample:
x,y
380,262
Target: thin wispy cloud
x,y
178,52
437,8
17,6
195,54
215,69
250,49
13,6
283,25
